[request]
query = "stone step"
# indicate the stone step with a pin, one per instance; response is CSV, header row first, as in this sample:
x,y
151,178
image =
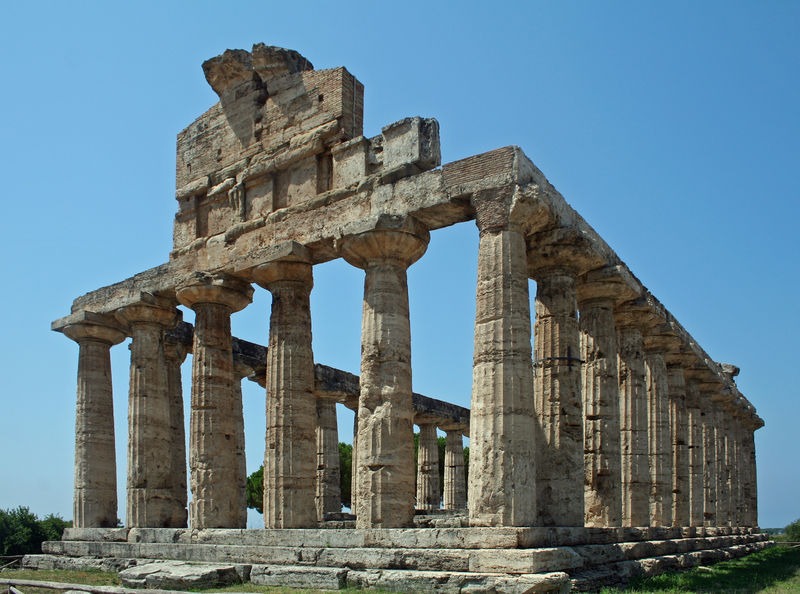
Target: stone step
x,y
447,537
431,559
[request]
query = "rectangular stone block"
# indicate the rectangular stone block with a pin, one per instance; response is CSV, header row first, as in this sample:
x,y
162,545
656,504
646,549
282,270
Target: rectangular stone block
x,y
322,578
410,146
349,163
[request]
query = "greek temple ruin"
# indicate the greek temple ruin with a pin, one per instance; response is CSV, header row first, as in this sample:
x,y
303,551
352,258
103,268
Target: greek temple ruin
x,y
604,441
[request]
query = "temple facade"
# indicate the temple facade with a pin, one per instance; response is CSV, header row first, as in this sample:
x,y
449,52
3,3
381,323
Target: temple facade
x,y
597,413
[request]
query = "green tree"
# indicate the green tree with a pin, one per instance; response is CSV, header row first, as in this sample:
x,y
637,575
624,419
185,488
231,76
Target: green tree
x,y
255,490
793,531
21,532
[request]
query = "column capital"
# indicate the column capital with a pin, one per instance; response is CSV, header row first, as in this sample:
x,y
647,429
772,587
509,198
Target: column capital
x,y
399,239
97,327
295,272
150,310
660,343
175,351
635,313
606,284
221,289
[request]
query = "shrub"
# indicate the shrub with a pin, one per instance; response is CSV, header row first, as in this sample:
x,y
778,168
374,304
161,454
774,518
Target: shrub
x,y
793,531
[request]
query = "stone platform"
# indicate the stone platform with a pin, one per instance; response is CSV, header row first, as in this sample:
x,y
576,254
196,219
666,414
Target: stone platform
x,y
411,559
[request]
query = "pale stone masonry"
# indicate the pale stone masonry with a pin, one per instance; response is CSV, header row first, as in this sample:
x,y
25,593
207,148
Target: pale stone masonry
x,y
615,428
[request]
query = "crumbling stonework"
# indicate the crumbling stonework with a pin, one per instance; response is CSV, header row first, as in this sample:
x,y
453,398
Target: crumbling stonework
x,y
617,432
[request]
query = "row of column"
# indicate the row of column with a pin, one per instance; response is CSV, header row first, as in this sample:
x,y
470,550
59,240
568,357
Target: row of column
x,y
620,426
598,431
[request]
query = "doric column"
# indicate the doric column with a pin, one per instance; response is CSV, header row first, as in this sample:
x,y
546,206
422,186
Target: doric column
x,y
354,463
601,410
659,435
633,422
95,496
455,488
679,422
150,488
385,472
708,419
427,467
502,489
175,354
291,444
751,493
240,371
557,396
329,498
696,449
213,423
723,487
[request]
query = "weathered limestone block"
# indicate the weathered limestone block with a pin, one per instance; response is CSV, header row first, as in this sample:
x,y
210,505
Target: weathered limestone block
x,y
428,468
502,484
290,454
602,479
329,498
175,354
696,453
213,424
385,470
659,435
95,495
410,146
180,575
455,488
679,423
557,397
150,487
633,428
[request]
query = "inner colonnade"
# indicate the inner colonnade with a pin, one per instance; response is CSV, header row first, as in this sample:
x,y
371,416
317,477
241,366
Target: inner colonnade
x,y
603,437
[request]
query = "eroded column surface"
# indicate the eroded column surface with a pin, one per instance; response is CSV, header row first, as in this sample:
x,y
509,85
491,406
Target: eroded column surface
x,y
175,354
679,422
329,498
708,419
696,449
633,428
428,468
659,435
723,487
502,484
213,421
455,487
385,460
150,489
354,462
95,495
602,480
751,484
290,461
557,399
240,371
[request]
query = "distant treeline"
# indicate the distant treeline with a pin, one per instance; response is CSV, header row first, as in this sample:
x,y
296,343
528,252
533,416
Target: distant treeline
x,y
21,532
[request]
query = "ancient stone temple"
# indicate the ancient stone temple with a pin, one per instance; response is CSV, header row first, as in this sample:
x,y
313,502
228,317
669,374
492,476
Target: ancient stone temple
x,y
604,441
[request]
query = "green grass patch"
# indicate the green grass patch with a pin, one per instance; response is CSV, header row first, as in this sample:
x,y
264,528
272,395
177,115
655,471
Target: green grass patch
x,y
94,578
772,570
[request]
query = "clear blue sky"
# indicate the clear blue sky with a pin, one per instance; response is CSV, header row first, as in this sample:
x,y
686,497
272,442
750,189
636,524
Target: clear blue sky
x,y
673,128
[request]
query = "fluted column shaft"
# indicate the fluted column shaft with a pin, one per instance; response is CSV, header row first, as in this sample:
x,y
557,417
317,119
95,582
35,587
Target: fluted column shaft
x,y
455,489
213,421
175,355
291,443
95,495
385,460
723,487
329,497
354,463
679,422
428,468
659,440
751,493
696,454
633,428
708,419
557,399
240,371
150,487
502,490
602,495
